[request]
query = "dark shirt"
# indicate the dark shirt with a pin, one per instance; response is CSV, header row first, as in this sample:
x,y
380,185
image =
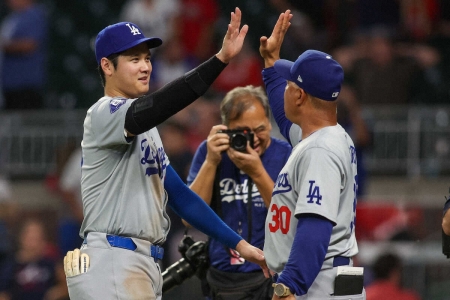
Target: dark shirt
x,y
27,281
233,211
25,70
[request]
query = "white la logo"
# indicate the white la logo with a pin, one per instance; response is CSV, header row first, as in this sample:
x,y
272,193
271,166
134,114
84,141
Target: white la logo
x,y
133,29
335,94
299,78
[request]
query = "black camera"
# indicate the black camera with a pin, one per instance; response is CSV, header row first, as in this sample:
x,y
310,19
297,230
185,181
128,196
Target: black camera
x,y
194,261
239,138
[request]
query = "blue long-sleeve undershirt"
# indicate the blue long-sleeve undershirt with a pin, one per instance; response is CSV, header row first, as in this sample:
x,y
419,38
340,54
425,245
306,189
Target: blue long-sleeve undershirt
x,y
275,86
189,206
307,253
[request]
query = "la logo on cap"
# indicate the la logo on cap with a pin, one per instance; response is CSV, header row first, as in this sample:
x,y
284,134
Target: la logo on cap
x,y
133,29
335,94
299,78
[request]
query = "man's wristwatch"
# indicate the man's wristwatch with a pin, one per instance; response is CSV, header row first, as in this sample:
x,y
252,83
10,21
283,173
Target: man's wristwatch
x,y
281,290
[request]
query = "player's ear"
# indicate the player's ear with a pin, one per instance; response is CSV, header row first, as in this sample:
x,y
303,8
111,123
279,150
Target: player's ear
x,y
301,96
107,66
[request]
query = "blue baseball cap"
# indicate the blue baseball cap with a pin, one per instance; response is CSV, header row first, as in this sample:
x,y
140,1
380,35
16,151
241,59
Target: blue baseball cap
x,y
315,72
120,37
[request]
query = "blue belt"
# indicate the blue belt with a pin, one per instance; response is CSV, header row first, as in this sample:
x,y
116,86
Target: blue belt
x,y
156,252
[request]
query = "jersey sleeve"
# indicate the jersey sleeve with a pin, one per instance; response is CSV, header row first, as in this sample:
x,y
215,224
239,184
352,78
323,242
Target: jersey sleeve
x,y
319,183
197,161
108,121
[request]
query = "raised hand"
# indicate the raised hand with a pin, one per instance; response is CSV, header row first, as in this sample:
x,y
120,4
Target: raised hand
x,y
269,48
234,38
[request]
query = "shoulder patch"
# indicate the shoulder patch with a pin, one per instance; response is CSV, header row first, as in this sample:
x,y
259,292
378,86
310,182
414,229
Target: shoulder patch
x,y
115,104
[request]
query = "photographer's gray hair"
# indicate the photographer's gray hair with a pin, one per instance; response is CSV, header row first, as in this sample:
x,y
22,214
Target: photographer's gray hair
x,y
239,99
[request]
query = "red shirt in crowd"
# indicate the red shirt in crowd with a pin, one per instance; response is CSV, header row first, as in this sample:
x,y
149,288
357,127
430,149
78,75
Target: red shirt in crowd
x,y
386,290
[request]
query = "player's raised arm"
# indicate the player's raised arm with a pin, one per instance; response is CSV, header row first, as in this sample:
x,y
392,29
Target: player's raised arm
x,y
234,38
151,110
275,85
269,48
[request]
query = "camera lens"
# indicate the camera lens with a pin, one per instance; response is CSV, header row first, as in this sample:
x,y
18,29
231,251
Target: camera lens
x,y
176,274
238,142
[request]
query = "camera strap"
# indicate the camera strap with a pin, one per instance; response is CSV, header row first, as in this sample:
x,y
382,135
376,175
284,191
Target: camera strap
x,y
249,209
216,203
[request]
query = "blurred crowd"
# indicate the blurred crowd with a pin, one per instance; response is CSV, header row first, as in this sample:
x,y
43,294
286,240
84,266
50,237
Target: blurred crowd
x,y
394,52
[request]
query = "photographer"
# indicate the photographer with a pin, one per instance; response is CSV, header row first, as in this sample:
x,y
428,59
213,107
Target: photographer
x,y
234,172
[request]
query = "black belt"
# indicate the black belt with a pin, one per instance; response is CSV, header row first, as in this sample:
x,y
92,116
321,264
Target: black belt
x,y
341,261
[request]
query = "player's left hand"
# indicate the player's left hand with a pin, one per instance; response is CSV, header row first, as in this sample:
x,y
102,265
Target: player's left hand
x,y
253,254
249,162
234,38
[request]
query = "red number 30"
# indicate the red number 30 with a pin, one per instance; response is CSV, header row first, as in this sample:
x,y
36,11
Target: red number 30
x,y
281,219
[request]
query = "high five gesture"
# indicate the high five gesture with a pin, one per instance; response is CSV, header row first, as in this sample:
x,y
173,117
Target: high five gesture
x,y
234,38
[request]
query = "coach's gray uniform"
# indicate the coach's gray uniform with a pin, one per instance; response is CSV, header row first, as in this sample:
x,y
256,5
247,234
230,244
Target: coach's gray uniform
x,y
319,178
123,194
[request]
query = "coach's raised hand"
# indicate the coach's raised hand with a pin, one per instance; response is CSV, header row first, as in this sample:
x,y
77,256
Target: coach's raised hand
x,y
234,38
269,48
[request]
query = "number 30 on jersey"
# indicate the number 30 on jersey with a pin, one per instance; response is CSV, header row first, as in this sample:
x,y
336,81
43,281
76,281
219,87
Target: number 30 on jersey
x,y
281,218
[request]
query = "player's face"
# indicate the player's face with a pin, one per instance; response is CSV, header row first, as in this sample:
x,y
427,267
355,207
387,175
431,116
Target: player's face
x,y
254,119
132,75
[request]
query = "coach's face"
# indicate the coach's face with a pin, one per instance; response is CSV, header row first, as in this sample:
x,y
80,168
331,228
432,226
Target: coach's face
x,y
255,120
131,76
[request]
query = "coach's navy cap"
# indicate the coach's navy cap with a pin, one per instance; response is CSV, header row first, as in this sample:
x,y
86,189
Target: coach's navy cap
x,y
120,37
315,72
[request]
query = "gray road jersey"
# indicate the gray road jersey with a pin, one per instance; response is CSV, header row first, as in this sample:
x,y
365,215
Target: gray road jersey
x,y
318,178
295,134
122,180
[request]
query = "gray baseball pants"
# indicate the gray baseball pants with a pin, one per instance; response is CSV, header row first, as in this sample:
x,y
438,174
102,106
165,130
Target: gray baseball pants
x,y
116,273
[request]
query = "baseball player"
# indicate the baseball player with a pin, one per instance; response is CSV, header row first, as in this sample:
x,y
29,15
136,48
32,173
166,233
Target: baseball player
x,y
310,227
127,180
